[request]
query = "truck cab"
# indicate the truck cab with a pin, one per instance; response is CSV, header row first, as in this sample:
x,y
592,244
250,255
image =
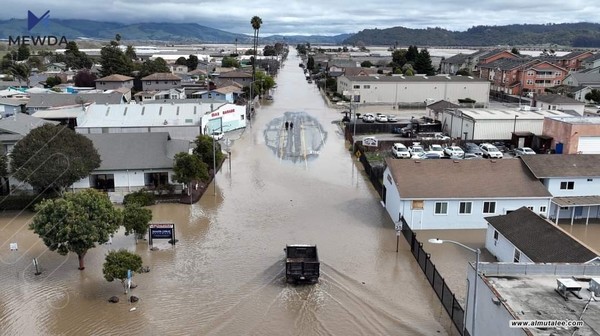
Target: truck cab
x,y
301,263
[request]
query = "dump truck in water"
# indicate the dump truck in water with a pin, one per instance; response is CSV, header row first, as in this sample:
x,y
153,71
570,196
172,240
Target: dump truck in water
x,y
301,264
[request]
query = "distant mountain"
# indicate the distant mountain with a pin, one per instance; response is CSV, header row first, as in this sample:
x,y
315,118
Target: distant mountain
x,y
175,32
582,35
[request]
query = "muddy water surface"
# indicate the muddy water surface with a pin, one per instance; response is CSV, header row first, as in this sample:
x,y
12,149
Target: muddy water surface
x,y
225,276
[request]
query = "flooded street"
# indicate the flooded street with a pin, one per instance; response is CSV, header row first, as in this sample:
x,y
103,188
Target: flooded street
x,y
226,274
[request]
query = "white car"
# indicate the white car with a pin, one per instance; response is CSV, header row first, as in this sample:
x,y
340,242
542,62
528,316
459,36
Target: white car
x,y
392,118
381,118
416,151
490,151
368,118
454,152
435,148
400,151
524,151
217,135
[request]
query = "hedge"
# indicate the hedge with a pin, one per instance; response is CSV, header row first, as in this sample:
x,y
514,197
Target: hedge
x,y
142,197
21,202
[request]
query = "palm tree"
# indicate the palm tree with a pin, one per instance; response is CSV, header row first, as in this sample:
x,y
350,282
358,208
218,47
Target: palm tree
x,y
256,22
21,72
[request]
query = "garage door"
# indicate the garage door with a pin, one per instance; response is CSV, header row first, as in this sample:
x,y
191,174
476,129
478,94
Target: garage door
x,y
589,145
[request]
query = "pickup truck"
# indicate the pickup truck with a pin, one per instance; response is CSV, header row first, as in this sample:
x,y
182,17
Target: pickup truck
x,y
301,263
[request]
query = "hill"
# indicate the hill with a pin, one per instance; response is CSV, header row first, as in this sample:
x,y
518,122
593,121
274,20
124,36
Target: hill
x,y
582,35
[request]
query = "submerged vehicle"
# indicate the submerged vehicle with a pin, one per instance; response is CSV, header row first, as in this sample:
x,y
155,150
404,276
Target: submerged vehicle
x,y
301,263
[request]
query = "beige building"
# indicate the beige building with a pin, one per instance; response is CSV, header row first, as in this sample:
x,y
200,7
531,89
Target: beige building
x,y
114,82
160,81
573,135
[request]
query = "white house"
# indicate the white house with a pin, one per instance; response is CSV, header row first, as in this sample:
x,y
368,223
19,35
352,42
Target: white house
x,y
459,194
573,180
414,89
522,236
181,121
226,94
494,123
555,102
160,95
131,161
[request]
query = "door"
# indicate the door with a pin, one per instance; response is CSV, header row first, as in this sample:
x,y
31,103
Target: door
x,y
417,220
578,212
588,145
521,142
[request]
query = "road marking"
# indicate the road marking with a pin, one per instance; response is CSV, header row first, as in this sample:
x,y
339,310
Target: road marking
x,y
303,143
281,141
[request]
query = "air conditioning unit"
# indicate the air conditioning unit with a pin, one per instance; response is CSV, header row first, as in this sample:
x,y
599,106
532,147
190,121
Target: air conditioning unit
x,y
595,286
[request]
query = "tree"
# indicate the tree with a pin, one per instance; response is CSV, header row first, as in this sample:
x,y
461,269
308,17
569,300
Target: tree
x,y
21,72
464,72
53,157
190,167
230,62
310,64
84,78
423,63
412,53
399,57
136,219
593,95
409,72
76,59
130,52
76,222
256,22
269,50
366,64
114,61
204,149
4,184
515,51
192,62
23,52
153,66
118,263
181,61
53,81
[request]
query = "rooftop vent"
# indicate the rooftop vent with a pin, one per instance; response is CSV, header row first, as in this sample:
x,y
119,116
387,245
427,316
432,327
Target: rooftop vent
x,y
595,286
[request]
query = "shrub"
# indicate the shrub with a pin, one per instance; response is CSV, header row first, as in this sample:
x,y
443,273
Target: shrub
x,y
21,202
142,197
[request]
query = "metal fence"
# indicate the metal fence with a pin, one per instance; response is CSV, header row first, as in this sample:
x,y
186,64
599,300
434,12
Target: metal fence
x,y
375,173
441,289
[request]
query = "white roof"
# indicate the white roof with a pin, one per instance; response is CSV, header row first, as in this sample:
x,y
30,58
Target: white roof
x,y
60,113
506,114
146,115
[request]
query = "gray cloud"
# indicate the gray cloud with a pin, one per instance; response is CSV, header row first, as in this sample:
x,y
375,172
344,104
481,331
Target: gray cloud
x,y
323,17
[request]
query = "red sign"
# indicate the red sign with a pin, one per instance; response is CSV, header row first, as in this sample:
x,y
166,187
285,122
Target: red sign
x,y
161,226
229,111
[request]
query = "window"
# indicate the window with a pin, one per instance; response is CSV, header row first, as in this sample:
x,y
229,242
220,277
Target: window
x,y
366,86
558,74
356,87
441,208
569,185
530,208
489,207
564,208
495,235
156,82
590,180
417,205
242,116
530,73
517,256
543,208
529,82
557,82
464,208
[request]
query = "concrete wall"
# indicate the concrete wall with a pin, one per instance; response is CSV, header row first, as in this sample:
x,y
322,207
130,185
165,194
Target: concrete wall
x,y
567,133
502,248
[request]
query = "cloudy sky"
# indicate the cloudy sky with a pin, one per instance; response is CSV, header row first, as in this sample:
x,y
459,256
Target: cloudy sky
x,y
318,17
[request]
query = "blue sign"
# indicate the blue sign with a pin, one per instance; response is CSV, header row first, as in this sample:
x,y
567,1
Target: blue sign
x,y
161,233
33,20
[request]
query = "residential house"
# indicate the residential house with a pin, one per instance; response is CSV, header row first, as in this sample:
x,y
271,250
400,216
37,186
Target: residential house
x,y
161,81
42,101
591,62
241,77
572,135
518,76
523,236
572,61
181,121
12,106
63,115
4,85
114,81
17,126
144,96
132,161
578,92
470,62
458,194
587,77
435,109
491,56
413,90
555,102
178,69
227,94
574,182
56,68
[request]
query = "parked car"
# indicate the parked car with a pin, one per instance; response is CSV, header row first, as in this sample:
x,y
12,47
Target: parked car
x,y
381,118
217,135
472,148
368,118
471,156
392,118
501,146
416,150
490,151
435,148
400,151
310,81
431,155
523,151
454,152
440,136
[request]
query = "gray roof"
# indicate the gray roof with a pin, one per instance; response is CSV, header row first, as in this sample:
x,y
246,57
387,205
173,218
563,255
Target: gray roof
x,y
592,58
558,99
21,123
7,84
540,240
13,101
573,54
506,63
441,105
457,59
563,165
455,179
122,151
586,78
47,100
406,79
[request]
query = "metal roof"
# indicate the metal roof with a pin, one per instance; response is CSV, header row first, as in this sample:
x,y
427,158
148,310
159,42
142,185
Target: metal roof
x,y
510,114
416,79
577,201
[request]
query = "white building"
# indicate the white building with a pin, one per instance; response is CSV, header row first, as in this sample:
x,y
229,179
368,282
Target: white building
x,y
520,292
181,121
494,124
522,236
574,182
414,89
131,161
556,102
459,194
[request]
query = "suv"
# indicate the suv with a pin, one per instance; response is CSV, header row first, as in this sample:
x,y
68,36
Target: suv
x,y
490,151
368,118
400,151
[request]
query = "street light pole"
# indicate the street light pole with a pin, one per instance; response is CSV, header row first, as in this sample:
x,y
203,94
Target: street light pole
x,y
477,254
515,124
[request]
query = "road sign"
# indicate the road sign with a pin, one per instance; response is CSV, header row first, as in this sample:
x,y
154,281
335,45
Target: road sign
x,y
162,231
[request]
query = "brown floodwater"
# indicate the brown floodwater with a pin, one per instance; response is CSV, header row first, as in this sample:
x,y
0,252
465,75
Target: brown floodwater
x,y
225,275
